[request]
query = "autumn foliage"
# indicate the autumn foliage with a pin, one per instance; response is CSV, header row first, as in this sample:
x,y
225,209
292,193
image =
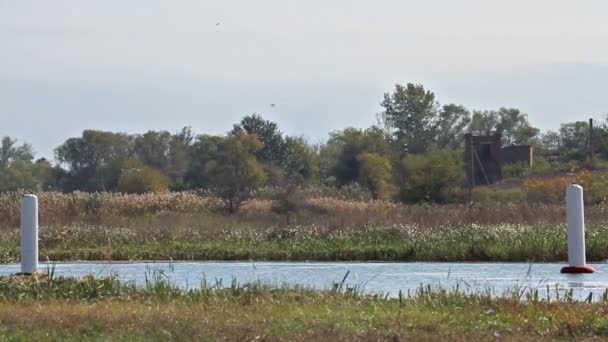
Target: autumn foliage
x,y
553,189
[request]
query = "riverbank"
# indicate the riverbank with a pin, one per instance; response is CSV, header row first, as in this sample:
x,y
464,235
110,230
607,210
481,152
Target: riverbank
x,y
538,243
105,309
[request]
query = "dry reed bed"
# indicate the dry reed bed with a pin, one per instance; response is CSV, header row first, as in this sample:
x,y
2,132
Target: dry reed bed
x,y
190,208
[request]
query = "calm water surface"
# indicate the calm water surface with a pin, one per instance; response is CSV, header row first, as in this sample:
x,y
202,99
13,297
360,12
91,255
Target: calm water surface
x,y
372,277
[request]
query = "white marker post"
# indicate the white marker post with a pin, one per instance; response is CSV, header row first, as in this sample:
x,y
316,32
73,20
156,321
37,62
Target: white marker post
x,y
29,234
576,232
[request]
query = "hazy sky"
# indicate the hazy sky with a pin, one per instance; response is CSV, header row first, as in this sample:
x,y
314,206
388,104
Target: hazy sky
x,y
127,65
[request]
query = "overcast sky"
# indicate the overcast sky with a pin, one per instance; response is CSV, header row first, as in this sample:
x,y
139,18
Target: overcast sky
x,y
131,66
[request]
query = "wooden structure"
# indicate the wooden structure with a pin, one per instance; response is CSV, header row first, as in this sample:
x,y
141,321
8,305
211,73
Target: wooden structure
x,y
485,157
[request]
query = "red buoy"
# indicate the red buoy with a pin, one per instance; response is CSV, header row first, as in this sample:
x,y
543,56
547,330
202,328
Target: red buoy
x,y
578,269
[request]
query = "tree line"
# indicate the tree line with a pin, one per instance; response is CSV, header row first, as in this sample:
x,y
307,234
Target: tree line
x,y
412,153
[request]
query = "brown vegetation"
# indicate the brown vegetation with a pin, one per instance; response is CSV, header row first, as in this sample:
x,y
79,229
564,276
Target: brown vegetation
x,y
328,212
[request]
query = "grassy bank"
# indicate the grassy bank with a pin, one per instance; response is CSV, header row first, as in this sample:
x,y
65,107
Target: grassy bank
x,y
104,309
393,243
187,226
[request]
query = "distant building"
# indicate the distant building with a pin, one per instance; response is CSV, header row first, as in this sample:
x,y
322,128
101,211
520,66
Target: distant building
x,y
485,157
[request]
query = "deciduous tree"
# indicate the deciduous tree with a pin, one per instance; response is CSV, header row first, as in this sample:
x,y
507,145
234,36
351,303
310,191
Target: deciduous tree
x,y
410,112
236,173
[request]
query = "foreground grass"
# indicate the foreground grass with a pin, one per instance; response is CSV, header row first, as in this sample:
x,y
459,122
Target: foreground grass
x,y
393,243
104,309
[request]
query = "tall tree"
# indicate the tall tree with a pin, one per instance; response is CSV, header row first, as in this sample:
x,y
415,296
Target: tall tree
x,y
450,126
550,142
573,139
483,122
153,149
180,157
204,149
347,145
18,171
94,160
301,161
10,152
273,149
515,127
510,123
410,111
236,173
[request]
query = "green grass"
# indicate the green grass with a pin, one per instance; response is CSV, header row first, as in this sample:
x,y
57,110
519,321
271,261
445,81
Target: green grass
x,y
104,309
394,243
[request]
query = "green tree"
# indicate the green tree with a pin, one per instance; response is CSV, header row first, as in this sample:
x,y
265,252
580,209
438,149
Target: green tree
x,y
205,149
436,177
19,172
550,142
24,175
410,112
573,137
180,158
169,153
301,161
375,173
153,149
236,173
515,127
346,145
483,122
450,126
93,160
273,149
510,123
10,152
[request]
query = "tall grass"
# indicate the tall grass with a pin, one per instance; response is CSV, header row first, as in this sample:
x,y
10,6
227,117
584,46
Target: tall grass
x,y
158,288
391,243
106,309
189,226
111,209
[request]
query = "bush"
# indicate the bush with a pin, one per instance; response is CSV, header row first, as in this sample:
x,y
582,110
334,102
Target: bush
x,y
142,180
523,169
434,178
553,189
375,173
517,170
541,166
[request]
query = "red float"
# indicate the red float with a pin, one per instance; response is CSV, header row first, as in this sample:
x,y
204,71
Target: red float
x,y
578,269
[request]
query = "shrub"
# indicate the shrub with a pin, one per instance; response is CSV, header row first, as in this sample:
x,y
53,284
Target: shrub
x,y
375,173
541,166
553,189
523,169
433,178
516,170
142,180
547,190
288,202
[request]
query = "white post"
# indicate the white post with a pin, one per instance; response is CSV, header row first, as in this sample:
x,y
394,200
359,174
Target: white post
x,y
29,234
576,231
